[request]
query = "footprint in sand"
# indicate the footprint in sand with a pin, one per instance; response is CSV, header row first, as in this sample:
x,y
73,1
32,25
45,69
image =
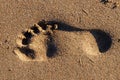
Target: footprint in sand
x,y
38,42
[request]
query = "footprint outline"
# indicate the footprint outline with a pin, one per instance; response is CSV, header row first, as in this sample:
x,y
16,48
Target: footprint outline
x,y
47,28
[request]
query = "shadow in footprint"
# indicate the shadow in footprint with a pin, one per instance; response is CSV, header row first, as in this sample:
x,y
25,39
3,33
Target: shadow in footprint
x,y
103,39
61,26
65,27
51,48
28,52
27,38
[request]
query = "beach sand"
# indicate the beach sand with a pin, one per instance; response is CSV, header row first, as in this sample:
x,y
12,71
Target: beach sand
x,y
87,40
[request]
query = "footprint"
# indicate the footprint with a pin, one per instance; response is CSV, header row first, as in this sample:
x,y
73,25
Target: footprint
x,y
35,44
38,43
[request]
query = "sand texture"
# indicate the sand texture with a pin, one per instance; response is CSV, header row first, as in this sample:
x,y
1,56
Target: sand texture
x,y
59,40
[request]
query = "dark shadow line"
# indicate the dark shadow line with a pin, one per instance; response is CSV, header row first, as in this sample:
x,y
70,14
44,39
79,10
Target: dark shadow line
x,y
28,52
61,26
51,47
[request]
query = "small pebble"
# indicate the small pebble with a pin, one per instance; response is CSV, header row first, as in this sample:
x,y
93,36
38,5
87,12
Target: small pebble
x,y
9,70
6,41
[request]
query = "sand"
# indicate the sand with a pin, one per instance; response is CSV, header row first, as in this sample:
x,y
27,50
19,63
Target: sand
x,y
85,46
